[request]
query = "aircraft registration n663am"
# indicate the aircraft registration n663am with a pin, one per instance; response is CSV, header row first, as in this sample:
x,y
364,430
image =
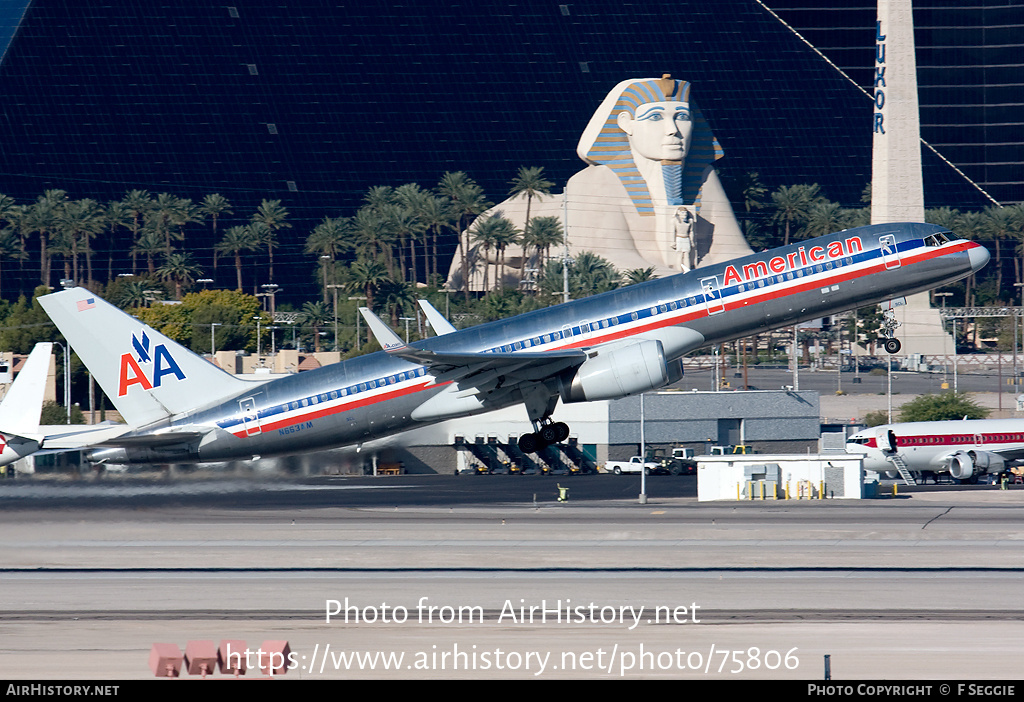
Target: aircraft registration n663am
x,y
182,408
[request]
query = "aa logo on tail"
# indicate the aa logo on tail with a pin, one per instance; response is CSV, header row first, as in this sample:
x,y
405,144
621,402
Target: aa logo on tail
x,y
133,374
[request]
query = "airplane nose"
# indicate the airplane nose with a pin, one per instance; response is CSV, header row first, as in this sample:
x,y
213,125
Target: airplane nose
x,y
979,256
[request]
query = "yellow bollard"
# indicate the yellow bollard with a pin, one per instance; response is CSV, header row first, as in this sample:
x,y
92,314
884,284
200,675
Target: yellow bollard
x,y
821,490
894,489
738,492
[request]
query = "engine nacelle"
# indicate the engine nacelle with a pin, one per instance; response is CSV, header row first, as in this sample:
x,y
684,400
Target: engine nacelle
x,y
963,465
985,462
960,465
144,454
621,371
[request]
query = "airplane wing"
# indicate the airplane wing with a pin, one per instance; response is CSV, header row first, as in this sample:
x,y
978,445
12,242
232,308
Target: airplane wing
x,y
452,366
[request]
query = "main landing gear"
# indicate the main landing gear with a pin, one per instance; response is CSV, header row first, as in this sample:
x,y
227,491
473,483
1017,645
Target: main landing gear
x,y
546,435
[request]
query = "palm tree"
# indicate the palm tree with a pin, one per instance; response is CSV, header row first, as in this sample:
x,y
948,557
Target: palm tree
x,y
150,243
181,269
373,234
1000,223
12,214
482,233
10,247
42,218
238,240
413,200
315,315
638,275
505,235
530,181
330,239
468,201
792,204
80,221
542,234
162,217
823,217
396,296
591,274
365,276
272,215
434,213
404,224
970,225
137,203
131,292
214,205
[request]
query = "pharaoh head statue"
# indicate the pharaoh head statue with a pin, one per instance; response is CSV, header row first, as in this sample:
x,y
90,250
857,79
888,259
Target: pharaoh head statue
x,y
655,139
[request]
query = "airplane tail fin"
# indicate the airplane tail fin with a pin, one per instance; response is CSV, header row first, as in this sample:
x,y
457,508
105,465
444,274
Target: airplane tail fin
x,y
19,412
146,375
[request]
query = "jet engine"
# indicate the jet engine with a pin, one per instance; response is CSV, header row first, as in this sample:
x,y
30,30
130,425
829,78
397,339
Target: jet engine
x,y
144,454
621,371
964,465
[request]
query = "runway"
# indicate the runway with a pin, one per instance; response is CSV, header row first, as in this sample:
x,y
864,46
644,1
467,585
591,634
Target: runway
x,y
926,586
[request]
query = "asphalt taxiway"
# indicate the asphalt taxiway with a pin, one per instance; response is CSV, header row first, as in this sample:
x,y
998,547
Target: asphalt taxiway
x,y
471,578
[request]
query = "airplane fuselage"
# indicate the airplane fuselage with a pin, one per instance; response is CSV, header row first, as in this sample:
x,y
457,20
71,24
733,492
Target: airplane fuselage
x,y
963,448
381,394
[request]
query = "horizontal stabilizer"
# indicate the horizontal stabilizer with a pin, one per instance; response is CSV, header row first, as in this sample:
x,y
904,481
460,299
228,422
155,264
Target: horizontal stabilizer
x,y
78,436
440,325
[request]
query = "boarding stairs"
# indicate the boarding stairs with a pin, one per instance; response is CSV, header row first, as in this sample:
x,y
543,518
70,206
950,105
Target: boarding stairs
x,y
901,468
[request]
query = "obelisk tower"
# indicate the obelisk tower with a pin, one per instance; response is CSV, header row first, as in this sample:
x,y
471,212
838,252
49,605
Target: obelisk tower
x,y
897,188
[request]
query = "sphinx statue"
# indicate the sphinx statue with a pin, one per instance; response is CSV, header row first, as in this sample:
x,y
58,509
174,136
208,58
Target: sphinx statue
x,y
649,196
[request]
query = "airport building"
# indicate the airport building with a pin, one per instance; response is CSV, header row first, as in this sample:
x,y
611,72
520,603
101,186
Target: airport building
x,y
314,102
769,421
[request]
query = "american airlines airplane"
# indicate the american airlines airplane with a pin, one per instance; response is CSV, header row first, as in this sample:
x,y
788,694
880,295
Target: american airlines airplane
x,y
965,448
182,408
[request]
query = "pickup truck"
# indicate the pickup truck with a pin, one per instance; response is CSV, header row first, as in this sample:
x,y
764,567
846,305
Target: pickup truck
x,y
631,466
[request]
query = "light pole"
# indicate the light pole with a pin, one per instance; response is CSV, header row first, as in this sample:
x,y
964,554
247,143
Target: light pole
x,y
1017,313
213,339
259,338
334,289
67,378
945,354
643,455
407,320
271,290
357,297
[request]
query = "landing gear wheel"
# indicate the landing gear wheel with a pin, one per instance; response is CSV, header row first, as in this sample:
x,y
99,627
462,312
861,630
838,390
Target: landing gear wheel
x,y
563,431
892,346
528,443
549,434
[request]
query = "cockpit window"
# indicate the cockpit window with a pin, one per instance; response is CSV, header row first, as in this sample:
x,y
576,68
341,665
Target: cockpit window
x,y
937,239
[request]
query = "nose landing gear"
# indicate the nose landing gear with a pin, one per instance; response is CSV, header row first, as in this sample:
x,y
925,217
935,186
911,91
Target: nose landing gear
x,y
888,328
